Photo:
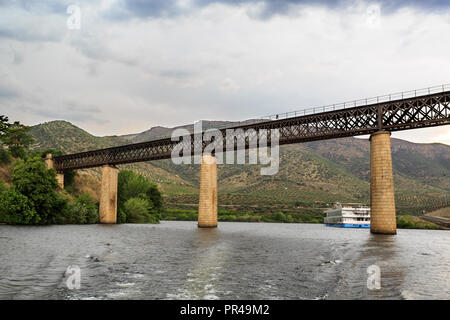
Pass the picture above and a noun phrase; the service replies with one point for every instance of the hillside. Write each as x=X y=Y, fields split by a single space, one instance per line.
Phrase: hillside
x=63 y=135
x=161 y=132
x=314 y=174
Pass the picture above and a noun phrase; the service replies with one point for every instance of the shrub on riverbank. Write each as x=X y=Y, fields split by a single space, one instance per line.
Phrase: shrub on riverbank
x=5 y=157
x=237 y=216
x=15 y=208
x=83 y=210
x=33 y=198
x=139 y=210
x=34 y=190
x=139 y=200
x=410 y=222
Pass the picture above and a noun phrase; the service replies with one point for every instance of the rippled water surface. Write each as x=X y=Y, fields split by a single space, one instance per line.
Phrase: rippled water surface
x=176 y=260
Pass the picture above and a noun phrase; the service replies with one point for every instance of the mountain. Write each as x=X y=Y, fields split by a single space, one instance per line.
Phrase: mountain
x=65 y=136
x=313 y=174
x=162 y=132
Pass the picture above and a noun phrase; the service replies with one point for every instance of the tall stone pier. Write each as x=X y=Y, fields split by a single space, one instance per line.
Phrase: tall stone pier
x=382 y=202
x=108 y=195
x=59 y=175
x=60 y=179
x=49 y=161
x=207 y=206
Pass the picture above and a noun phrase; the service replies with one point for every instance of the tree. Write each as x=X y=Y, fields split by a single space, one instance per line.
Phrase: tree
x=15 y=136
x=123 y=178
x=34 y=181
x=15 y=208
x=82 y=210
x=3 y=187
x=53 y=152
x=4 y=125
x=138 y=210
x=5 y=157
x=134 y=186
x=155 y=197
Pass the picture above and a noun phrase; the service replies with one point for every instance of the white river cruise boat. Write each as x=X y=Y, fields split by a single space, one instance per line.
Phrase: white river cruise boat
x=348 y=215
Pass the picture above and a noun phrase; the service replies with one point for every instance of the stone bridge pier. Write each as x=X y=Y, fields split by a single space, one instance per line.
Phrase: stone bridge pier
x=207 y=206
x=50 y=165
x=382 y=201
x=108 y=194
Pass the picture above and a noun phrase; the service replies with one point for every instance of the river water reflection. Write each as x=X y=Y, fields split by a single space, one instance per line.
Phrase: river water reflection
x=176 y=260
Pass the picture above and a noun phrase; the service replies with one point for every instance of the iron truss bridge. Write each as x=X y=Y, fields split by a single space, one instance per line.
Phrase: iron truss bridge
x=408 y=110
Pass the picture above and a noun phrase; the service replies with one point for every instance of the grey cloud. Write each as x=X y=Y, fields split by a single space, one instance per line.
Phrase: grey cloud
x=9 y=89
x=91 y=46
x=175 y=74
x=126 y=9
x=67 y=110
x=41 y=6
x=143 y=9
x=18 y=57
x=26 y=34
x=430 y=5
x=94 y=47
x=279 y=7
x=22 y=24
x=7 y=92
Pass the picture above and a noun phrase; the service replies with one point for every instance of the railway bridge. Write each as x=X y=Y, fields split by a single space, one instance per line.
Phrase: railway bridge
x=376 y=117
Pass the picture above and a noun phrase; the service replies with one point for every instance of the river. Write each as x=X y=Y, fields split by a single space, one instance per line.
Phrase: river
x=176 y=260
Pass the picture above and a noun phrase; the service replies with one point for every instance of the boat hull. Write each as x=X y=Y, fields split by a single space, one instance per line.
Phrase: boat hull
x=348 y=225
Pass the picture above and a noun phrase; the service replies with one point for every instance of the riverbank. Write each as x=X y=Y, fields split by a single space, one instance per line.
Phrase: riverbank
x=307 y=216
x=411 y=222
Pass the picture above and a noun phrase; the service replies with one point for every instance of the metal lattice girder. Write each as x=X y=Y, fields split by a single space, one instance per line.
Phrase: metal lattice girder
x=417 y=112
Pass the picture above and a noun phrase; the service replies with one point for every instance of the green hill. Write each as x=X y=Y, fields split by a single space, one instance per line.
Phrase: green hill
x=63 y=135
x=314 y=174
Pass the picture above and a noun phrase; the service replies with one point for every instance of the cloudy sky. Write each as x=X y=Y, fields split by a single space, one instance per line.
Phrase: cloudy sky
x=134 y=64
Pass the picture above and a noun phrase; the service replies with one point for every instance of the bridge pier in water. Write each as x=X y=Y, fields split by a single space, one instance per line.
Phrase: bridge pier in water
x=108 y=195
x=382 y=201
x=207 y=206
x=50 y=165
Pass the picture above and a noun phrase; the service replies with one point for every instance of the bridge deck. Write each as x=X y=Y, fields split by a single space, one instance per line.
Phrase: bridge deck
x=402 y=114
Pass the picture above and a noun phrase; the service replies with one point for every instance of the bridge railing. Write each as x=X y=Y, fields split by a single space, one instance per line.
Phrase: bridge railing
x=333 y=107
x=360 y=102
